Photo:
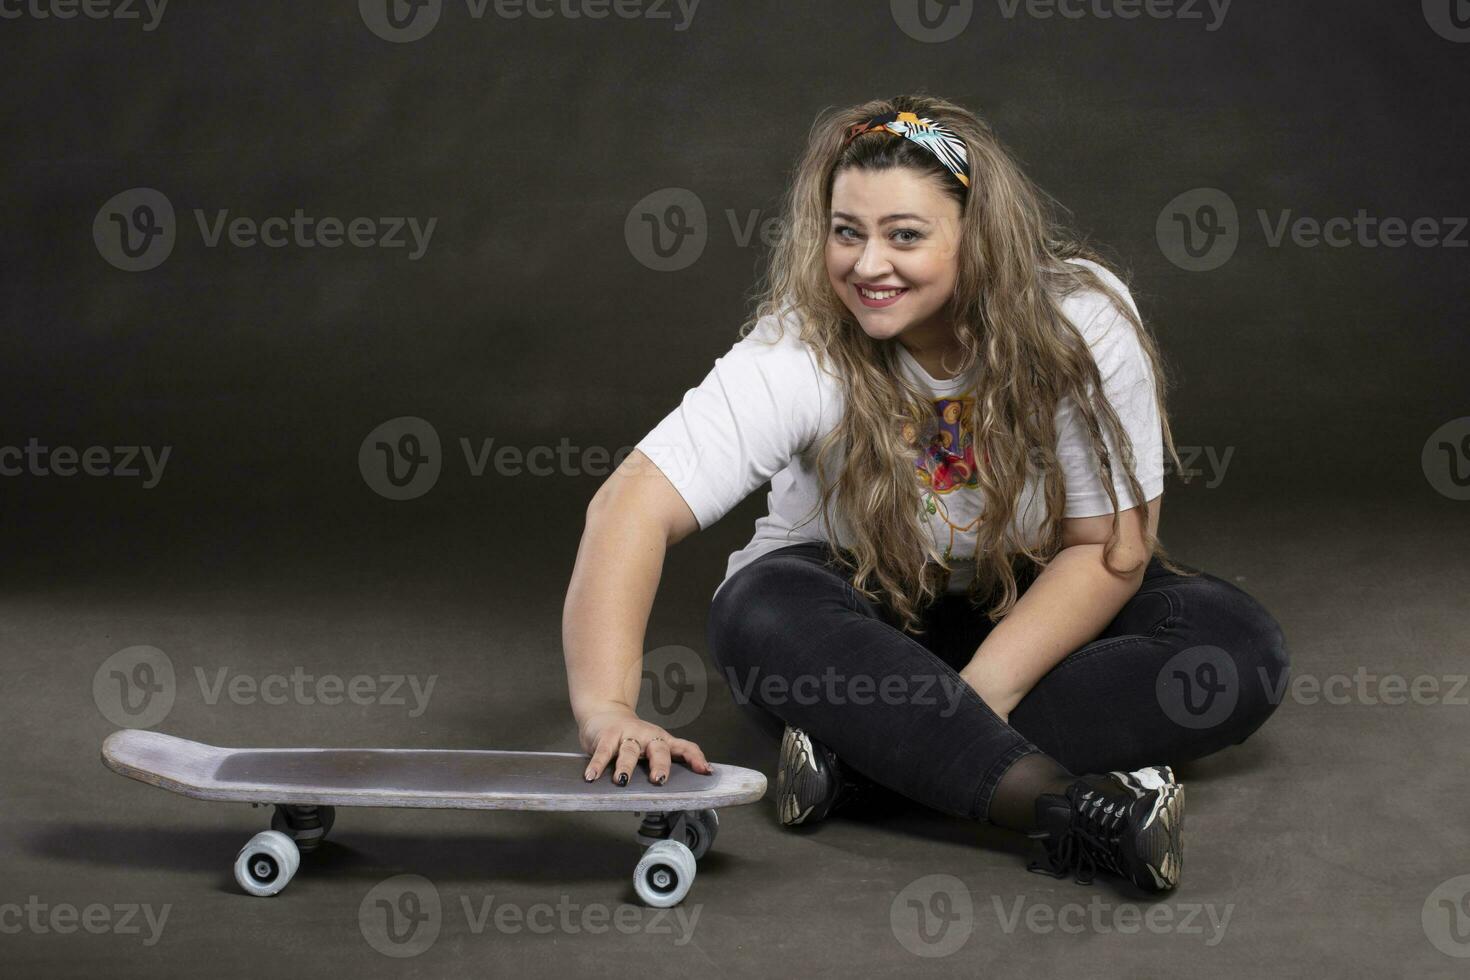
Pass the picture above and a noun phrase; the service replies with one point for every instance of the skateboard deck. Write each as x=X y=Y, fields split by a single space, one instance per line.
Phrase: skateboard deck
x=306 y=784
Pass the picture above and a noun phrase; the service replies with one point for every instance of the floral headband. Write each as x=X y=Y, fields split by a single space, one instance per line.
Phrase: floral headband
x=932 y=136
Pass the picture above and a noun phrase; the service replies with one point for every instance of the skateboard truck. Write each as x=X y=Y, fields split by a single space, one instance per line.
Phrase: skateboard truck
x=695 y=828
x=305 y=824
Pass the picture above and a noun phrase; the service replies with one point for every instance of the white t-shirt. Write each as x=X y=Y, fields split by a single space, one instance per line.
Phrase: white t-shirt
x=763 y=410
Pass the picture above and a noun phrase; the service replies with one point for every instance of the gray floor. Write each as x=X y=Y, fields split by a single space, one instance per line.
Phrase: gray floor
x=1333 y=842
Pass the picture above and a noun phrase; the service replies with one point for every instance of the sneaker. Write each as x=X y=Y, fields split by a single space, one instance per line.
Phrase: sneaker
x=1128 y=823
x=810 y=781
x=1142 y=780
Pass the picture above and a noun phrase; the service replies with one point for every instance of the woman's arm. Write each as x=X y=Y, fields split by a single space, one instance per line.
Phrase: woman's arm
x=631 y=522
x=1067 y=606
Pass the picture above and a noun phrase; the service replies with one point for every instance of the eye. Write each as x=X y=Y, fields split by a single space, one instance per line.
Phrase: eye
x=917 y=236
x=838 y=231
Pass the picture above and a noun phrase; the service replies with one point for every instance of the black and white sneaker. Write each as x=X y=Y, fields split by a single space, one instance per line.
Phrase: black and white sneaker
x=1128 y=823
x=1142 y=780
x=811 y=783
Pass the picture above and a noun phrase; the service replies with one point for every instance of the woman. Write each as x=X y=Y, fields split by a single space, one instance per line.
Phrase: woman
x=958 y=592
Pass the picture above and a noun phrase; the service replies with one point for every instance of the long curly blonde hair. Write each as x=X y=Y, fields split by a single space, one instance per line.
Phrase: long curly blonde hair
x=1012 y=275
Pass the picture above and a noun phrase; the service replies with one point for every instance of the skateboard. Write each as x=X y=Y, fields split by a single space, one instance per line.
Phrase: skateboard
x=305 y=785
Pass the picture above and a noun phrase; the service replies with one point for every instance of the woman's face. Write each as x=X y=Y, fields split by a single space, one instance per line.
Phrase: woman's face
x=895 y=233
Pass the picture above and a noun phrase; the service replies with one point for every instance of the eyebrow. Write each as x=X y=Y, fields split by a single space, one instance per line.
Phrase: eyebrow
x=884 y=220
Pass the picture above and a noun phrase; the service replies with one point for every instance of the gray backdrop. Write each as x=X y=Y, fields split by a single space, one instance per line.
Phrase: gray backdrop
x=530 y=316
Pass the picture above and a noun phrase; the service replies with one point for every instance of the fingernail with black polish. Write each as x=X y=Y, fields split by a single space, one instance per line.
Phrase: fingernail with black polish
x=622 y=779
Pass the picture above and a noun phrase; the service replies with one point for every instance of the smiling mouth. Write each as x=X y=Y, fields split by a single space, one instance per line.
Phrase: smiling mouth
x=880 y=294
x=879 y=299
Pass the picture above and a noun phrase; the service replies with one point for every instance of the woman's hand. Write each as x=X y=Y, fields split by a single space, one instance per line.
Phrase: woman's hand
x=619 y=735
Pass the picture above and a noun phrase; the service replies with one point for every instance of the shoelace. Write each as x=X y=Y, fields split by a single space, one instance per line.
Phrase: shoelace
x=1089 y=842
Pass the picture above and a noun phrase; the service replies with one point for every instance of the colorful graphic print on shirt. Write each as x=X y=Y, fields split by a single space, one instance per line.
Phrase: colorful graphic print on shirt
x=948 y=461
x=947 y=464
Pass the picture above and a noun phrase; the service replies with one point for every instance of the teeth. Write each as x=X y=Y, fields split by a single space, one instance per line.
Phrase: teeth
x=885 y=294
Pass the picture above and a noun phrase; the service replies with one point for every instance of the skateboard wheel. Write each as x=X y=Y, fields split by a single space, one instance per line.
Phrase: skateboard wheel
x=267 y=863
x=700 y=828
x=664 y=874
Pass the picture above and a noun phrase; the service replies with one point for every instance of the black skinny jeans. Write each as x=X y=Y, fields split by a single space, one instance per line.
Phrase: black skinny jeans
x=1189 y=666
